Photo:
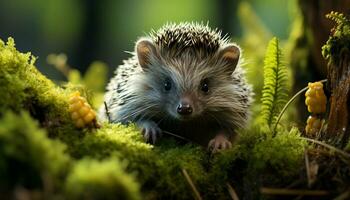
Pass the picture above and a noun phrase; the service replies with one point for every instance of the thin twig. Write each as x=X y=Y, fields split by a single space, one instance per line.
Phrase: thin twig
x=283 y=191
x=179 y=137
x=341 y=152
x=311 y=169
x=193 y=187
x=318 y=135
x=107 y=112
x=232 y=192
x=307 y=166
x=288 y=103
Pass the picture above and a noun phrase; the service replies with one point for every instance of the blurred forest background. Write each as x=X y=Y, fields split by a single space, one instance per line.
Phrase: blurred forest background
x=89 y=30
x=103 y=30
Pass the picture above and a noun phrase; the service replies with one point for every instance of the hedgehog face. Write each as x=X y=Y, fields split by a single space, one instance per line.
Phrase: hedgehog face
x=185 y=97
x=186 y=84
x=179 y=95
x=192 y=89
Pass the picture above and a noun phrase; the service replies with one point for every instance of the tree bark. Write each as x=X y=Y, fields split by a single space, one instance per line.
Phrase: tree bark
x=339 y=85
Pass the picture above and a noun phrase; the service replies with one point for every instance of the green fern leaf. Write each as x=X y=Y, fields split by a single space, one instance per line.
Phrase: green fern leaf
x=275 y=90
x=339 y=18
x=339 y=38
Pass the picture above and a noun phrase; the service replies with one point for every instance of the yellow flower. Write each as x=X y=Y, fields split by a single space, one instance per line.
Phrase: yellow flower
x=316 y=100
x=81 y=112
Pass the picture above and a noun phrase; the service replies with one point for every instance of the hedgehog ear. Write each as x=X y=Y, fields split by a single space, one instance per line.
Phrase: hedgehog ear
x=145 y=50
x=230 y=55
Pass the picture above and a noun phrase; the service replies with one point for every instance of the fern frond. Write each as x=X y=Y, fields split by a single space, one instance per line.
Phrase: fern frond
x=339 y=18
x=339 y=38
x=275 y=90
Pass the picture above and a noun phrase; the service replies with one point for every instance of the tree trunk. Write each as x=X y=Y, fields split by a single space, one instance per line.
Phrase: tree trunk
x=339 y=85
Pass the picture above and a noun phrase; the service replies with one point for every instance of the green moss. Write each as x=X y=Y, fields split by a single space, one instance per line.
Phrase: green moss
x=23 y=86
x=155 y=167
x=11 y=84
x=172 y=159
x=125 y=142
x=27 y=155
x=283 y=153
x=93 y=179
x=111 y=138
x=258 y=160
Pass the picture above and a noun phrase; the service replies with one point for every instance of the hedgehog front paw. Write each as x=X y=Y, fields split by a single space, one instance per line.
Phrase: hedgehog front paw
x=219 y=143
x=150 y=131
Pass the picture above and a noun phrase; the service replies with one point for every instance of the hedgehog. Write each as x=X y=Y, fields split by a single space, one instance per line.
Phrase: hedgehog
x=184 y=79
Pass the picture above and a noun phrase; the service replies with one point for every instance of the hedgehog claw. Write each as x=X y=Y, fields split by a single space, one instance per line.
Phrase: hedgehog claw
x=150 y=131
x=219 y=143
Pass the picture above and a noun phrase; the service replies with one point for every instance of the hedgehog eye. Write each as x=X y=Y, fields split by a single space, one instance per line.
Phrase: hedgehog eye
x=167 y=85
x=205 y=86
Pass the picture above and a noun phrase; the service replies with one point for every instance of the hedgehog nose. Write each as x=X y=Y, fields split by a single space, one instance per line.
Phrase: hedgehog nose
x=184 y=108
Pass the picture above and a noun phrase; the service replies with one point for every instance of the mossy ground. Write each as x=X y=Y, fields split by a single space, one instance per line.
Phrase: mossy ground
x=44 y=154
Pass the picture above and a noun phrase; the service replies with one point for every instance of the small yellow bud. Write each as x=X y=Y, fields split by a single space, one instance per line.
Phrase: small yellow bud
x=316 y=100
x=75 y=116
x=73 y=99
x=87 y=105
x=81 y=112
x=79 y=123
x=75 y=106
x=89 y=117
x=313 y=125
